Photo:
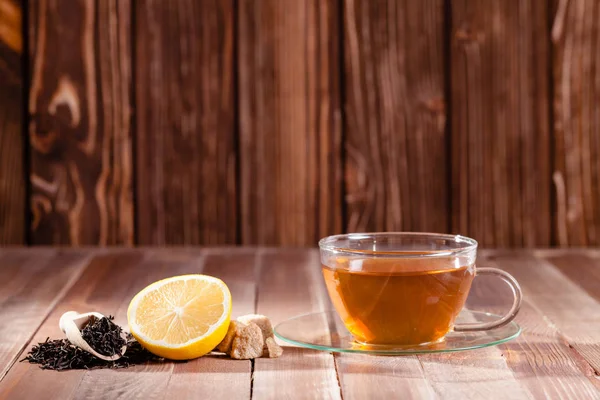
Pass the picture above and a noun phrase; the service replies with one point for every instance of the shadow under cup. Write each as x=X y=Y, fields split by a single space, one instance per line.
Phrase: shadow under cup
x=403 y=288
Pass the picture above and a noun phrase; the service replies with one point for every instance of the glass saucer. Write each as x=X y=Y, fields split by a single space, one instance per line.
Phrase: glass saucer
x=325 y=331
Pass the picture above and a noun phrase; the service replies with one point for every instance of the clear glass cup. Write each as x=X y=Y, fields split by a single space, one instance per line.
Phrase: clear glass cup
x=405 y=288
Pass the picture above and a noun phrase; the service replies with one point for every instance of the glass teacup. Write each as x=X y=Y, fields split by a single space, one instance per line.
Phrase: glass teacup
x=405 y=288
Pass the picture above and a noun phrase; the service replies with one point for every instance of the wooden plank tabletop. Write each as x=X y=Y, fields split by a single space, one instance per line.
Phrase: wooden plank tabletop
x=557 y=356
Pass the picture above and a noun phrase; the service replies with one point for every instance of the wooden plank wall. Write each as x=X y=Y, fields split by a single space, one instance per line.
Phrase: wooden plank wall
x=290 y=121
x=277 y=122
x=13 y=202
x=79 y=122
x=396 y=136
x=500 y=122
x=185 y=118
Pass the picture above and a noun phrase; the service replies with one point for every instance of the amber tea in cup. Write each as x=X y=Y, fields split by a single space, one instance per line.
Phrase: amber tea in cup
x=398 y=301
x=404 y=288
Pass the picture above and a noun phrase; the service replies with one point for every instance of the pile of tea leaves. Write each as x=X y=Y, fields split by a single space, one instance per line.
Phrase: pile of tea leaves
x=102 y=335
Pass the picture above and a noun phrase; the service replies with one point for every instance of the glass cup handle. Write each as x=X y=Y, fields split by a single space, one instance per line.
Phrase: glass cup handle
x=509 y=316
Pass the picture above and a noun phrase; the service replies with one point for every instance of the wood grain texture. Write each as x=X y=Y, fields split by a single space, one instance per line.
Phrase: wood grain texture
x=582 y=269
x=574 y=313
x=483 y=373
x=107 y=285
x=239 y=271
x=218 y=376
x=540 y=359
x=290 y=284
x=480 y=374
x=30 y=285
x=382 y=377
x=11 y=22
x=477 y=118
x=185 y=146
x=12 y=165
x=79 y=130
x=576 y=79
x=555 y=357
x=290 y=126
x=95 y=289
x=165 y=380
x=500 y=147
x=210 y=377
x=395 y=147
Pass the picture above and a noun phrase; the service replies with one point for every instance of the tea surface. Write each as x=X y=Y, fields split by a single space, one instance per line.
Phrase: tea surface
x=398 y=301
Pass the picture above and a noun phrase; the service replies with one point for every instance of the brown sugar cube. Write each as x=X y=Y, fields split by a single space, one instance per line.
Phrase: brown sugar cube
x=225 y=345
x=263 y=322
x=248 y=342
x=272 y=349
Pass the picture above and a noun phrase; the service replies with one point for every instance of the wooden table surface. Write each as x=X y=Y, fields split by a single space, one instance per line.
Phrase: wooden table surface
x=557 y=356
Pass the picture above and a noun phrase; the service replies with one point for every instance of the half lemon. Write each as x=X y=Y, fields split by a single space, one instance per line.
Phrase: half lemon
x=181 y=317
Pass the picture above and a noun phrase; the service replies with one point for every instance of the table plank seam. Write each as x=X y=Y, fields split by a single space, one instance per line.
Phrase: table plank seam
x=83 y=265
x=580 y=356
x=256 y=271
x=337 y=374
x=251 y=379
x=76 y=388
x=171 y=372
x=426 y=378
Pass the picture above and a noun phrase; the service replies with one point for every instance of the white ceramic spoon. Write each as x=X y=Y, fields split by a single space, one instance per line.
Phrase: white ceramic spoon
x=71 y=324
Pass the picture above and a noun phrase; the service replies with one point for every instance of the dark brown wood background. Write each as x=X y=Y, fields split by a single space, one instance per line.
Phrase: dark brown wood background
x=278 y=122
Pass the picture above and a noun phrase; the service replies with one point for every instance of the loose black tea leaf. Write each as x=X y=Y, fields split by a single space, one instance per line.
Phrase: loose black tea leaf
x=136 y=354
x=62 y=354
x=104 y=336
